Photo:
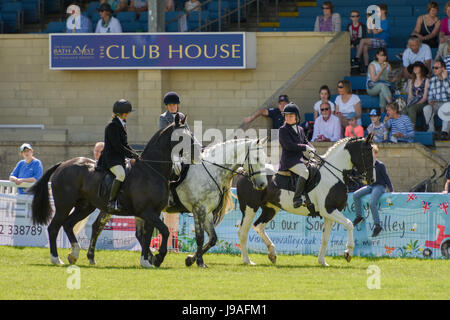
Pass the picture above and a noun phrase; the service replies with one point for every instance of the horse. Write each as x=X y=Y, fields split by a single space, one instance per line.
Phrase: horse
x=144 y=193
x=205 y=191
x=329 y=196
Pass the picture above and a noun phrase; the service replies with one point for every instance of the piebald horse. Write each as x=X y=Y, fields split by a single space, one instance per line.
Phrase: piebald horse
x=329 y=196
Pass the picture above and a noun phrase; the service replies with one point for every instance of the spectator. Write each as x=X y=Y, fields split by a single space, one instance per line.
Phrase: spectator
x=353 y=129
x=192 y=5
x=98 y=148
x=377 y=127
x=273 y=113
x=327 y=126
x=417 y=90
x=172 y=102
x=447 y=58
x=399 y=125
x=377 y=78
x=324 y=93
x=356 y=28
x=116 y=5
x=170 y=5
x=444 y=33
x=375 y=190
x=428 y=26
x=76 y=22
x=346 y=102
x=380 y=38
x=438 y=94
x=329 y=21
x=138 y=6
x=447 y=183
x=443 y=50
x=416 y=51
x=107 y=23
x=27 y=170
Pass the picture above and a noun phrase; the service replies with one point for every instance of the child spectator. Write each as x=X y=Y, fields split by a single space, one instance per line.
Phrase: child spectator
x=377 y=127
x=400 y=126
x=356 y=28
x=353 y=129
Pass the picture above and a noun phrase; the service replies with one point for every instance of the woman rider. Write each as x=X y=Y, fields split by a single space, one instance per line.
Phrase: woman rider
x=117 y=149
x=293 y=142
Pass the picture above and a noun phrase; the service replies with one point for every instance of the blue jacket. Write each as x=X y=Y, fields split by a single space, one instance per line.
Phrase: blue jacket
x=382 y=177
x=293 y=145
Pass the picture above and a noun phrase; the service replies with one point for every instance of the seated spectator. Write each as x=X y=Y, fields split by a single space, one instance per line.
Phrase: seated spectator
x=380 y=38
x=76 y=22
x=443 y=50
x=27 y=170
x=329 y=21
x=399 y=125
x=324 y=93
x=192 y=5
x=417 y=90
x=116 y=5
x=107 y=23
x=170 y=5
x=138 y=6
x=377 y=127
x=438 y=94
x=347 y=102
x=356 y=28
x=416 y=51
x=98 y=148
x=274 y=113
x=444 y=33
x=327 y=126
x=447 y=58
x=377 y=78
x=428 y=26
x=353 y=129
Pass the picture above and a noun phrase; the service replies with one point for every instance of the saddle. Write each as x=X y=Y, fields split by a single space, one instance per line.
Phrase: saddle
x=105 y=185
x=177 y=206
x=287 y=180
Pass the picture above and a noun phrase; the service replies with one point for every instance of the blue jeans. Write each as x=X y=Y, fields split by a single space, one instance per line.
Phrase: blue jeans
x=375 y=192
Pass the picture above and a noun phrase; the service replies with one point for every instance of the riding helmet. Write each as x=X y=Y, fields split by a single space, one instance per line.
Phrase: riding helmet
x=122 y=106
x=292 y=108
x=171 y=98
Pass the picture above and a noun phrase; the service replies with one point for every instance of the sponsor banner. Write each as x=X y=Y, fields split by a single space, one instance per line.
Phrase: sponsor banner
x=153 y=51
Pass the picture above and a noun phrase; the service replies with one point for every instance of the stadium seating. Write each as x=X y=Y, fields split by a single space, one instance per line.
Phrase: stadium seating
x=92 y=8
x=12 y=14
x=2 y=25
x=131 y=26
x=126 y=16
x=56 y=27
x=172 y=26
x=193 y=19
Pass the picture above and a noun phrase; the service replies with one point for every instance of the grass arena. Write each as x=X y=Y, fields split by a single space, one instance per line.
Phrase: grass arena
x=61 y=105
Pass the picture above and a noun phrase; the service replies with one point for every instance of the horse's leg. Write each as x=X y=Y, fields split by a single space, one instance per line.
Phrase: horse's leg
x=61 y=213
x=97 y=228
x=337 y=216
x=199 y=218
x=247 y=217
x=260 y=227
x=80 y=212
x=327 y=225
x=144 y=232
x=156 y=221
x=212 y=239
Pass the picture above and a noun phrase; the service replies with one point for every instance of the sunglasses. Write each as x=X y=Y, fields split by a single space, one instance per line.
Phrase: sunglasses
x=435 y=68
x=325 y=8
x=341 y=87
x=325 y=109
x=355 y=16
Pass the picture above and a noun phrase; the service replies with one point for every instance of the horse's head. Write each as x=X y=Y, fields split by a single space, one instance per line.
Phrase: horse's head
x=362 y=157
x=255 y=162
x=182 y=142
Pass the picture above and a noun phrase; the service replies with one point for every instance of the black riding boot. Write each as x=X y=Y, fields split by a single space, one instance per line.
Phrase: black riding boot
x=298 y=201
x=112 y=208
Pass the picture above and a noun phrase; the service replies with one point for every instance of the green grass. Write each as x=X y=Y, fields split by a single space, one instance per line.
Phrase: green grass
x=26 y=273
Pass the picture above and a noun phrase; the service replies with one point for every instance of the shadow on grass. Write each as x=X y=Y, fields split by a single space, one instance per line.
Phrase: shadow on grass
x=99 y=267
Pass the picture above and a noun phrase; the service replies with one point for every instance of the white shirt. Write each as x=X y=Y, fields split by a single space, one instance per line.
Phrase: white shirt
x=349 y=106
x=319 y=103
x=331 y=129
x=422 y=55
x=112 y=27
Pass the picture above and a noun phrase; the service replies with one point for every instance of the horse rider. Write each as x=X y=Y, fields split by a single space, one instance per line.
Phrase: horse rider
x=293 y=142
x=117 y=149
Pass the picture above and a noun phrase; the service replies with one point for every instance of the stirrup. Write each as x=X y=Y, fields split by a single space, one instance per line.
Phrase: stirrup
x=112 y=207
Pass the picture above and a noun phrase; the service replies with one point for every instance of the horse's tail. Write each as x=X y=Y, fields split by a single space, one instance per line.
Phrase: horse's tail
x=41 y=210
x=227 y=202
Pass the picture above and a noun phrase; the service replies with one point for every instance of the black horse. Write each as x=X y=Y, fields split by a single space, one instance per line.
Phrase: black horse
x=144 y=193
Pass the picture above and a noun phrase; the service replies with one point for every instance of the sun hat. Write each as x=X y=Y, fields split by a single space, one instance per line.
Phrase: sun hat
x=444 y=112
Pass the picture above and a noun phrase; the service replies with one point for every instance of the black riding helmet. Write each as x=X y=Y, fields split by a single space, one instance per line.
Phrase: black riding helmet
x=171 y=98
x=122 y=106
x=292 y=108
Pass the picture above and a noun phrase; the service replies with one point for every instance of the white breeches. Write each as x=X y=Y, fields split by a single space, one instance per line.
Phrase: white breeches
x=119 y=172
x=300 y=170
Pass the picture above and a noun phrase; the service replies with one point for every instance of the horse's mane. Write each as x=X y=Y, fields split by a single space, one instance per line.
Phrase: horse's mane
x=339 y=143
x=155 y=138
x=209 y=150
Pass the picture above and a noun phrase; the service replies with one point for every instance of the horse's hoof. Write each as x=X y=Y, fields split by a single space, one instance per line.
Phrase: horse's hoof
x=92 y=262
x=203 y=265
x=157 y=260
x=347 y=256
x=189 y=261
x=146 y=264
x=56 y=261
x=272 y=258
x=324 y=264
x=72 y=259
x=250 y=263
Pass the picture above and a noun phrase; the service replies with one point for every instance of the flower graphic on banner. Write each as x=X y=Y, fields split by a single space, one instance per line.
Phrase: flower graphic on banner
x=444 y=206
x=389 y=250
x=411 y=197
x=426 y=206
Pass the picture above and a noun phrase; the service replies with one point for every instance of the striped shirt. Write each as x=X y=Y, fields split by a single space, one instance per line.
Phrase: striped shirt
x=439 y=89
x=401 y=125
x=447 y=63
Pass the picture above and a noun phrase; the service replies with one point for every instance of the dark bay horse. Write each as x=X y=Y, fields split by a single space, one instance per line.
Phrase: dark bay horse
x=144 y=193
x=329 y=196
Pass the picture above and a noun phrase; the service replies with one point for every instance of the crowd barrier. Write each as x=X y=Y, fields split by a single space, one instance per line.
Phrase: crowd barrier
x=414 y=225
